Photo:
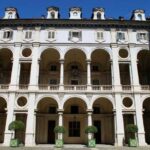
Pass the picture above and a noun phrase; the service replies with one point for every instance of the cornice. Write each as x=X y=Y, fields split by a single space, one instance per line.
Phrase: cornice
x=69 y=23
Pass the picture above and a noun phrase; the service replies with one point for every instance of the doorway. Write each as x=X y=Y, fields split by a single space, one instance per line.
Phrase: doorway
x=51 y=134
x=97 y=135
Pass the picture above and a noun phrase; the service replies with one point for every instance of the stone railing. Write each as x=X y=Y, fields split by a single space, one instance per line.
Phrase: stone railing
x=102 y=87
x=48 y=87
x=145 y=87
x=4 y=86
x=75 y=87
x=126 y=87
x=23 y=86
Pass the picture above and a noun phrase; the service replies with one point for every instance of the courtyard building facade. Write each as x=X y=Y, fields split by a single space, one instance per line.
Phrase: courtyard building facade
x=75 y=73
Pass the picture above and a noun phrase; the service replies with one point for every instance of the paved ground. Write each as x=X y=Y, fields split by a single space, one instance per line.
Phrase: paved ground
x=75 y=147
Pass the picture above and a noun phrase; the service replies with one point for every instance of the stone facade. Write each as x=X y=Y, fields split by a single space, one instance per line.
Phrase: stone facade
x=74 y=72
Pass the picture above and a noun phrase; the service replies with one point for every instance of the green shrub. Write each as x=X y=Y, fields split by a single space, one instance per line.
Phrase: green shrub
x=59 y=129
x=91 y=129
x=16 y=125
x=131 y=128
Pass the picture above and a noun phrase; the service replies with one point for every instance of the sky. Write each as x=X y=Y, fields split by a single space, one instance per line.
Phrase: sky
x=113 y=8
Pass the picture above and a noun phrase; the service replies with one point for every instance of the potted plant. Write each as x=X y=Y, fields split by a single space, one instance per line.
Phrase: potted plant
x=15 y=126
x=90 y=130
x=59 y=141
x=132 y=129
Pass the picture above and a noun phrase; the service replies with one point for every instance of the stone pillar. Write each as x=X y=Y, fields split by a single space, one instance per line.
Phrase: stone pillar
x=15 y=74
x=115 y=68
x=89 y=74
x=10 y=116
x=34 y=74
x=139 y=120
x=30 y=126
x=119 y=120
x=61 y=74
x=90 y=135
x=115 y=130
x=134 y=69
x=60 y=123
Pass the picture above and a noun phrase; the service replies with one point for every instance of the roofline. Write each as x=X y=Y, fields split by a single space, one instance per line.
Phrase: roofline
x=81 y=23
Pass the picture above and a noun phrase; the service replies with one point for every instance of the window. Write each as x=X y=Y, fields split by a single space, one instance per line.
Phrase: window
x=95 y=68
x=120 y=36
x=95 y=82
x=75 y=35
x=10 y=14
x=139 y=17
x=53 y=81
x=74 y=67
x=96 y=110
x=98 y=15
x=100 y=35
x=74 y=129
x=52 y=15
x=74 y=110
x=53 y=68
x=28 y=34
x=8 y=34
x=74 y=82
x=52 y=110
x=142 y=36
x=51 y=35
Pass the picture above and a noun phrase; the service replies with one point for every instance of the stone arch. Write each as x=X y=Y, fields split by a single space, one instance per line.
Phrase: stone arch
x=65 y=99
x=3 y=106
x=107 y=50
x=78 y=48
x=55 y=98
x=143 y=57
x=43 y=49
x=146 y=118
x=109 y=98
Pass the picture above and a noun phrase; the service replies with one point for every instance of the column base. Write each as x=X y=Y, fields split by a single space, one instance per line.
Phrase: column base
x=61 y=87
x=141 y=139
x=7 y=138
x=30 y=140
x=89 y=87
x=120 y=139
x=33 y=87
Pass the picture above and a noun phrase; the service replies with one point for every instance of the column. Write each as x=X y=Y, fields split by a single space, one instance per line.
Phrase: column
x=30 y=126
x=115 y=130
x=10 y=117
x=15 y=73
x=61 y=74
x=34 y=73
x=60 y=123
x=134 y=69
x=119 y=120
x=90 y=135
x=89 y=74
x=115 y=68
x=139 y=120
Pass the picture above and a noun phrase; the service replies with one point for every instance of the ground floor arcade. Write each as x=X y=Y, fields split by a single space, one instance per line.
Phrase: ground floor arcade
x=75 y=113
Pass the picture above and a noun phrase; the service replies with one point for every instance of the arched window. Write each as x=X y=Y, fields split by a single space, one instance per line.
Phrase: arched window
x=10 y=15
x=139 y=17
x=98 y=15
x=52 y=15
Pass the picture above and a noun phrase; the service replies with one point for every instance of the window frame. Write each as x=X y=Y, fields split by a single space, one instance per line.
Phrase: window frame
x=7 y=36
x=141 y=38
x=74 y=128
x=51 y=35
x=77 y=38
x=121 y=36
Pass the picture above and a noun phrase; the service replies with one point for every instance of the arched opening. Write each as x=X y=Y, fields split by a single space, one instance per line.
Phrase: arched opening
x=46 y=120
x=75 y=121
x=100 y=68
x=139 y=17
x=49 y=73
x=146 y=119
x=128 y=116
x=3 y=106
x=99 y=16
x=103 y=119
x=144 y=67
x=5 y=66
x=52 y=15
x=75 y=68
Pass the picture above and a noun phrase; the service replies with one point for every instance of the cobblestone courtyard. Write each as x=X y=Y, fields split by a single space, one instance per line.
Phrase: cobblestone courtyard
x=76 y=147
